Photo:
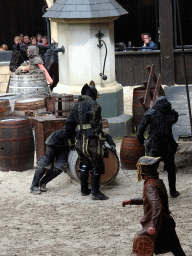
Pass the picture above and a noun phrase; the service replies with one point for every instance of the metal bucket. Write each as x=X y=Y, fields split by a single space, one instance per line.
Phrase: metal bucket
x=17 y=144
x=111 y=167
x=29 y=86
x=35 y=105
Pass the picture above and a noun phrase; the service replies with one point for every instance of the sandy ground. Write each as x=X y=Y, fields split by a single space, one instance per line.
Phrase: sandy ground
x=62 y=222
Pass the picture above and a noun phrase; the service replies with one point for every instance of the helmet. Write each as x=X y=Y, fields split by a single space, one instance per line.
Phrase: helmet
x=147 y=165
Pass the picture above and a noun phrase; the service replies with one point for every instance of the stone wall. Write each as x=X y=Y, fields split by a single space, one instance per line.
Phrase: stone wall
x=4 y=76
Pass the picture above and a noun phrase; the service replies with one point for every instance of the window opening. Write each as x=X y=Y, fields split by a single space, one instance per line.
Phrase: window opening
x=143 y=17
x=185 y=8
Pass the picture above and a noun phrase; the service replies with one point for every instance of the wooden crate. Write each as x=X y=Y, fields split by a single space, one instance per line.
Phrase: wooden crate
x=43 y=127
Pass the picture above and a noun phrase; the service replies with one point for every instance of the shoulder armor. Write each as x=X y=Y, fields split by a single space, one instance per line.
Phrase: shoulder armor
x=150 y=112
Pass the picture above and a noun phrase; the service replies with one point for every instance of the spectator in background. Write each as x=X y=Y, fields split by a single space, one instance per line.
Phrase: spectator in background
x=39 y=39
x=142 y=37
x=17 y=40
x=45 y=41
x=146 y=37
x=21 y=37
x=26 y=40
x=33 y=40
x=3 y=48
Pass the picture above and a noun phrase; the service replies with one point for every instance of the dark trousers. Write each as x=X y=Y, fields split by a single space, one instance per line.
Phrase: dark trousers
x=167 y=239
x=169 y=165
x=43 y=176
x=178 y=252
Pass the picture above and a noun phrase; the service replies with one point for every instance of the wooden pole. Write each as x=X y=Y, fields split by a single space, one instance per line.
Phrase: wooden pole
x=184 y=64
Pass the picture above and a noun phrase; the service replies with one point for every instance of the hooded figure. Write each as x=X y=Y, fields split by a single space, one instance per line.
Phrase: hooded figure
x=35 y=62
x=34 y=57
x=158 y=233
x=84 y=124
x=160 y=142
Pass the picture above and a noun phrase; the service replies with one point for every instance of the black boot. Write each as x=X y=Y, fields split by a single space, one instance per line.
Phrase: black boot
x=36 y=179
x=178 y=252
x=172 y=184
x=84 y=181
x=95 y=193
x=48 y=177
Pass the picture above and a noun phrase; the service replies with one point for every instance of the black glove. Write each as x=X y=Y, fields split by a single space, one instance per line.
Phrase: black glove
x=113 y=148
x=141 y=140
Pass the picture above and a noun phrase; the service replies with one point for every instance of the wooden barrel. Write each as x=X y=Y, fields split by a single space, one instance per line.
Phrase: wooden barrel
x=111 y=167
x=17 y=144
x=63 y=105
x=138 y=111
x=12 y=97
x=105 y=126
x=75 y=100
x=34 y=105
x=5 y=108
x=29 y=86
x=130 y=152
x=50 y=103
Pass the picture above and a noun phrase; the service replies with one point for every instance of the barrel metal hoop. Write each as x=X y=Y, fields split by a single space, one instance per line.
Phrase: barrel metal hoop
x=16 y=139
x=16 y=157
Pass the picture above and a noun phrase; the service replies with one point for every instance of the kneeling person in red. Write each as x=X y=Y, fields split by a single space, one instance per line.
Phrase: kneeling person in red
x=158 y=233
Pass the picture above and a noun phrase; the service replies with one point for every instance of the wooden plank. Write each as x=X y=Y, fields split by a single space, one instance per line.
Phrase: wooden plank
x=161 y=91
x=130 y=67
x=179 y=70
x=141 y=99
x=147 y=97
x=157 y=90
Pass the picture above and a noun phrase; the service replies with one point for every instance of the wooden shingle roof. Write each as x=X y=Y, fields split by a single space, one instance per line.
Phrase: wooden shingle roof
x=82 y=9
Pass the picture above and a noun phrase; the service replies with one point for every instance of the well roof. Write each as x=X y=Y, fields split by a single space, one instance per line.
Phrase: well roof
x=81 y=9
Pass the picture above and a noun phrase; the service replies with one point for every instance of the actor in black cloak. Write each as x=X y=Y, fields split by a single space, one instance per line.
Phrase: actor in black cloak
x=53 y=163
x=160 y=141
x=84 y=124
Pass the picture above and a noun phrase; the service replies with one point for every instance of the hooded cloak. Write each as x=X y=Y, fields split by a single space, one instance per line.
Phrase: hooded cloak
x=34 y=57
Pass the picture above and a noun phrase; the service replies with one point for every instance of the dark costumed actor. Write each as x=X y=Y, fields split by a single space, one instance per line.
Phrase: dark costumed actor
x=85 y=125
x=158 y=233
x=160 y=142
x=53 y=163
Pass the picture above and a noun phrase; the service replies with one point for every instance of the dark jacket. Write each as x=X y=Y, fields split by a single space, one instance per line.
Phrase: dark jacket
x=57 y=139
x=161 y=119
x=85 y=112
x=85 y=125
x=156 y=215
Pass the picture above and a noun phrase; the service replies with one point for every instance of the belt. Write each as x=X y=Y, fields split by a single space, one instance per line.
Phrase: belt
x=84 y=127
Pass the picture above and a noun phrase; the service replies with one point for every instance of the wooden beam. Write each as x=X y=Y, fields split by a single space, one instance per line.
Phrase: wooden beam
x=141 y=99
x=166 y=41
x=147 y=97
x=161 y=90
x=157 y=90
